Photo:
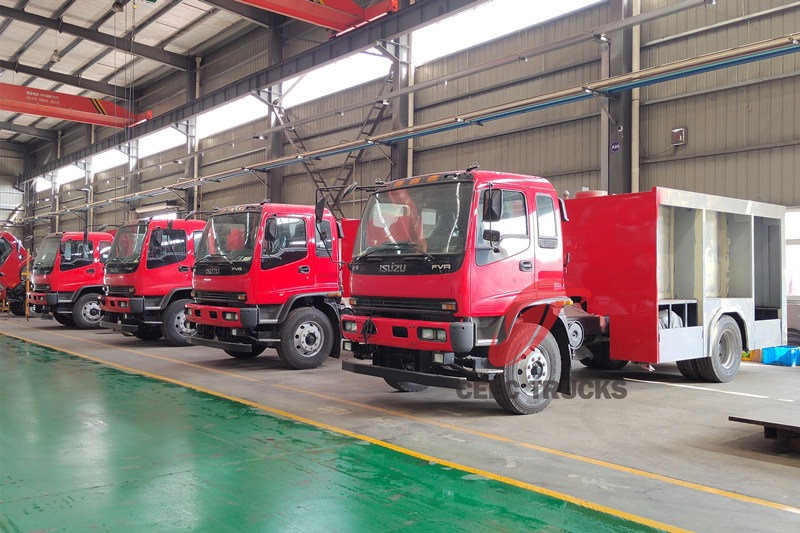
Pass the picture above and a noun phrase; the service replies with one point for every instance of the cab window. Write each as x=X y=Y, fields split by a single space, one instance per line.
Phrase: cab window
x=76 y=254
x=167 y=247
x=103 y=250
x=323 y=242
x=512 y=226
x=287 y=245
x=546 y=225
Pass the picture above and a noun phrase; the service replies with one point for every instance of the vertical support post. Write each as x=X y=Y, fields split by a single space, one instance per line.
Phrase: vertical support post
x=134 y=184
x=86 y=166
x=275 y=140
x=51 y=177
x=192 y=167
x=400 y=109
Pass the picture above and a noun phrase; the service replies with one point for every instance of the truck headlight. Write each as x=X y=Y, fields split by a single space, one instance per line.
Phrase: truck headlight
x=227 y=315
x=123 y=304
x=349 y=326
x=432 y=334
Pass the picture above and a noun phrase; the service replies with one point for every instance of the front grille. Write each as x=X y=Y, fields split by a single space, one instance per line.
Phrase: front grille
x=401 y=307
x=119 y=290
x=230 y=299
x=40 y=287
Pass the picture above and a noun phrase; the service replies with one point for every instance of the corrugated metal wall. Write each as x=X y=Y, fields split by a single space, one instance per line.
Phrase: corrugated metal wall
x=743 y=123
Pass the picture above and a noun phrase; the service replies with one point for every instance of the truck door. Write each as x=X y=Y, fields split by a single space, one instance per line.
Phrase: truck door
x=502 y=269
x=165 y=253
x=325 y=271
x=548 y=267
x=285 y=259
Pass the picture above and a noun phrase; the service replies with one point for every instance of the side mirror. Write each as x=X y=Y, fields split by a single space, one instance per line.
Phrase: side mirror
x=271 y=230
x=319 y=209
x=492 y=236
x=492 y=205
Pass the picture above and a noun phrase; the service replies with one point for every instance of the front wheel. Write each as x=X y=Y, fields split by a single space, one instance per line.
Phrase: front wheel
x=726 y=352
x=306 y=338
x=175 y=326
x=17 y=308
x=64 y=319
x=86 y=311
x=527 y=385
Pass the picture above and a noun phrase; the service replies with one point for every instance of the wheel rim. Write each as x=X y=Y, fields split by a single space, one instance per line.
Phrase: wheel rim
x=532 y=372
x=308 y=338
x=91 y=311
x=726 y=349
x=182 y=325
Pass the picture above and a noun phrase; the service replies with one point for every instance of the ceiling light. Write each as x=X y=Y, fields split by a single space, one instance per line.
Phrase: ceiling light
x=116 y=7
x=55 y=58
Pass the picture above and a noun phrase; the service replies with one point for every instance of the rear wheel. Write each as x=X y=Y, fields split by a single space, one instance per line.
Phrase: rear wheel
x=600 y=359
x=64 y=320
x=405 y=386
x=726 y=352
x=86 y=311
x=257 y=350
x=148 y=333
x=527 y=386
x=689 y=369
x=306 y=338
x=175 y=326
x=18 y=308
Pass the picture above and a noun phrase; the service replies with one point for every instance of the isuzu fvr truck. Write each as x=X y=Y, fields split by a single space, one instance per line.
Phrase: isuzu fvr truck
x=489 y=277
x=270 y=275
x=13 y=260
x=148 y=279
x=67 y=277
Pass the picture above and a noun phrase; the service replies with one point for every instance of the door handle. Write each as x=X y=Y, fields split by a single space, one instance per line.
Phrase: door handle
x=305 y=269
x=526 y=265
x=183 y=269
x=90 y=271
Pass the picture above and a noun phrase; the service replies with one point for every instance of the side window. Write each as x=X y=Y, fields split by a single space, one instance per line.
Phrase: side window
x=288 y=245
x=76 y=254
x=167 y=247
x=103 y=250
x=546 y=226
x=196 y=238
x=513 y=228
x=324 y=242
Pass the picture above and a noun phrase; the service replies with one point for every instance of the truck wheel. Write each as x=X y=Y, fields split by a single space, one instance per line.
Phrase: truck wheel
x=148 y=333
x=64 y=320
x=86 y=311
x=726 y=352
x=405 y=386
x=257 y=350
x=527 y=386
x=306 y=338
x=689 y=369
x=600 y=359
x=17 y=308
x=174 y=324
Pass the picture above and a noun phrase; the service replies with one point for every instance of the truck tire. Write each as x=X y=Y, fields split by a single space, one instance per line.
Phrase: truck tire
x=174 y=324
x=306 y=338
x=17 y=308
x=726 y=352
x=86 y=311
x=405 y=386
x=600 y=359
x=688 y=369
x=527 y=386
x=64 y=319
x=257 y=350
x=793 y=337
x=148 y=333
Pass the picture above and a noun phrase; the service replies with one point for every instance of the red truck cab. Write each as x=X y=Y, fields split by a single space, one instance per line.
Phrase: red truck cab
x=438 y=264
x=13 y=260
x=148 y=279
x=268 y=276
x=67 y=277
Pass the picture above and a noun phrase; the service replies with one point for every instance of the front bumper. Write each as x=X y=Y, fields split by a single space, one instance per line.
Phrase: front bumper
x=122 y=305
x=398 y=333
x=212 y=315
x=43 y=304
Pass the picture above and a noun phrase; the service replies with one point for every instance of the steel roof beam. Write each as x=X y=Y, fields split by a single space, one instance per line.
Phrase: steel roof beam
x=28 y=130
x=126 y=45
x=248 y=12
x=75 y=81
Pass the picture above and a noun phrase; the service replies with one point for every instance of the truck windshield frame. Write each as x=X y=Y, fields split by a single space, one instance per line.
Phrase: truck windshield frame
x=126 y=250
x=423 y=221
x=5 y=250
x=228 y=243
x=46 y=257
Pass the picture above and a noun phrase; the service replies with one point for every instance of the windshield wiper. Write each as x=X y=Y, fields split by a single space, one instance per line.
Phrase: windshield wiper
x=396 y=245
x=221 y=256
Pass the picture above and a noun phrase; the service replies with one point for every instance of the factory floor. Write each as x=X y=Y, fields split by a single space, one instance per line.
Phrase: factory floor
x=104 y=432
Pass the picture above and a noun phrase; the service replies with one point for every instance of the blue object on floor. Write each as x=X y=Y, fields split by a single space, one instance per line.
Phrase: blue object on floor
x=781 y=355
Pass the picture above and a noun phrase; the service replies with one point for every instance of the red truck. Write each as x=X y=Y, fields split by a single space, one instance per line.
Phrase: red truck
x=268 y=275
x=479 y=276
x=148 y=279
x=67 y=277
x=13 y=260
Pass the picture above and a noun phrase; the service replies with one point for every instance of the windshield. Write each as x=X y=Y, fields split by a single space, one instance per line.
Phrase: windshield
x=230 y=237
x=127 y=246
x=5 y=250
x=47 y=252
x=423 y=220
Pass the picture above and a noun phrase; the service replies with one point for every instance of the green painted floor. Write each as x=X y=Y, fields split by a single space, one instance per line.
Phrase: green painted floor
x=87 y=447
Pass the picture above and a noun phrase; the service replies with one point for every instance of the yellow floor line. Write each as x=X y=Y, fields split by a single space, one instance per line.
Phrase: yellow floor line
x=477 y=433
x=485 y=473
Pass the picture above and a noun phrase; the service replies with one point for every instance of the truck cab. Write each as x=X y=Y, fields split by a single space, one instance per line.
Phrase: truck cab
x=67 y=277
x=269 y=276
x=443 y=266
x=13 y=260
x=148 y=279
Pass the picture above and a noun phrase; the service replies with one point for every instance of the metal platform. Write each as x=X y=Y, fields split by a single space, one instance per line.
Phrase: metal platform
x=783 y=425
